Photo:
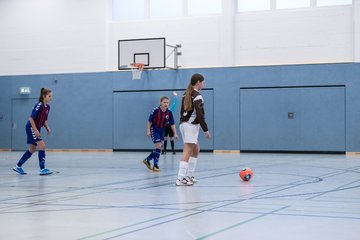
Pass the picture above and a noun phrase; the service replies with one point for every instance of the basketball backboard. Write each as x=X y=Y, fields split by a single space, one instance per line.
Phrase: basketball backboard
x=149 y=51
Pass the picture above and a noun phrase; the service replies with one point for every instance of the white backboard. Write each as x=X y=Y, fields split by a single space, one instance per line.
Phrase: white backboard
x=150 y=51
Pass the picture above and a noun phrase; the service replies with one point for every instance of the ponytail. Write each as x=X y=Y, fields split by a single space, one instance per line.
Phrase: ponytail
x=187 y=99
x=43 y=92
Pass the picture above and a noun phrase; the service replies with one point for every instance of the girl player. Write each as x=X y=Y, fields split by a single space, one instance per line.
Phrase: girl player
x=192 y=117
x=37 y=119
x=158 y=118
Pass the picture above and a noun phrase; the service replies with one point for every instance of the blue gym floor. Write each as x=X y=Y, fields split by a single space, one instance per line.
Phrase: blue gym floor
x=112 y=195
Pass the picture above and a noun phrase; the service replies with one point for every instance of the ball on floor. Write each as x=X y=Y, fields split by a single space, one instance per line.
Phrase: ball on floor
x=246 y=174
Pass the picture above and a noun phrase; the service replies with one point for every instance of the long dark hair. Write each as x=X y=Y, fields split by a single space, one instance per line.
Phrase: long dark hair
x=43 y=92
x=187 y=100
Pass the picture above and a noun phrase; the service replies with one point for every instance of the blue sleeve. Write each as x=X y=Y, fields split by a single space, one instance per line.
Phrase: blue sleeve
x=151 y=117
x=171 y=119
x=173 y=106
x=36 y=110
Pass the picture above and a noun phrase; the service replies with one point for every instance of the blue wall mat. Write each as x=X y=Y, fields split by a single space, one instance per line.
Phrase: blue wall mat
x=83 y=110
x=293 y=119
x=132 y=109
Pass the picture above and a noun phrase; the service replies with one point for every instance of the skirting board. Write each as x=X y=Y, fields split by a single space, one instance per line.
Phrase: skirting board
x=227 y=151
x=352 y=153
x=79 y=150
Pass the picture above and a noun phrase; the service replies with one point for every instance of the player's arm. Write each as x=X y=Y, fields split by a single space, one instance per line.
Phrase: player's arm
x=47 y=127
x=200 y=112
x=175 y=100
x=148 y=133
x=33 y=125
x=172 y=125
x=173 y=128
x=150 y=120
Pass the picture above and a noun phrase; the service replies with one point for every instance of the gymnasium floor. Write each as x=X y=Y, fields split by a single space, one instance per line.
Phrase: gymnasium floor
x=114 y=196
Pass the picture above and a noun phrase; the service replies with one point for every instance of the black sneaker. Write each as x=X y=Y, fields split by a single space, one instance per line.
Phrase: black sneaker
x=174 y=152
x=163 y=152
x=156 y=168
x=147 y=163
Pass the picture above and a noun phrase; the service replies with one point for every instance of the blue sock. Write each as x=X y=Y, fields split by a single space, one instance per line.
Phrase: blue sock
x=24 y=158
x=156 y=156
x=42 y=159
x=150 y=157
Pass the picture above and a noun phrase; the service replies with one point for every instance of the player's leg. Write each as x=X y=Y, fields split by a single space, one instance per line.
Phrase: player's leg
x=150 y=157
x=165 y=145
x=190 y=140
x=43 y=170
x=147 y=160
x=18 y=168
x=32 y=142
x=184 y=165
x=156 y=137
x=167 y=131
x=158 y=146
x=192 y=163
x=171 y=135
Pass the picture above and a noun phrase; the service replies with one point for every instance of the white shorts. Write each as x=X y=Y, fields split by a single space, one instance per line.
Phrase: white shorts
x=189 y=132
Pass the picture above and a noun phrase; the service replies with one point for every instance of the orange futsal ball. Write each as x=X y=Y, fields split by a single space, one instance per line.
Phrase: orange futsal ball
x=246 y=174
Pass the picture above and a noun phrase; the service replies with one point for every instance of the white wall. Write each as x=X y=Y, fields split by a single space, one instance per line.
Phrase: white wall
x=356 y=17
x=52 y=36
x=60 y=36
x=314 y=35
x=317 y=35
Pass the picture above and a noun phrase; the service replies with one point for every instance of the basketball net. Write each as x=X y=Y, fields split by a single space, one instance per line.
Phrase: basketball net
x=136 y=69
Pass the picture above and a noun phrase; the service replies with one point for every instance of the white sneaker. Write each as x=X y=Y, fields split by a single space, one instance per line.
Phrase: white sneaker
x=192 y=179
x=184 y=182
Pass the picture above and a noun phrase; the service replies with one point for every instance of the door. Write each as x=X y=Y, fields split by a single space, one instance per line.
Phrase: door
x=20 y=113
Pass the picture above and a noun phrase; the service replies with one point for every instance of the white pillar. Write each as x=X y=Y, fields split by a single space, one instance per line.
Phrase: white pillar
x=356 y=20
x=227 y=34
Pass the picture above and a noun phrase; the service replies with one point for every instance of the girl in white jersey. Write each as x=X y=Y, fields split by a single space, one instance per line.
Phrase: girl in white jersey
x=192 y=117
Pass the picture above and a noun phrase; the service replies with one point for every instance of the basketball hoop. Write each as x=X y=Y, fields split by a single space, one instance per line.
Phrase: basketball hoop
x=136 y=69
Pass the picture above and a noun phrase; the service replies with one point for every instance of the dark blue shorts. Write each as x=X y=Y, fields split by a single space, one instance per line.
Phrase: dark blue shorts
x=157 y=135
x=31 y=137
x=168 y=131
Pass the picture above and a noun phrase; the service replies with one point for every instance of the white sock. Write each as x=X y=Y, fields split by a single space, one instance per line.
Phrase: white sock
x=183 y=168
x=192 y=166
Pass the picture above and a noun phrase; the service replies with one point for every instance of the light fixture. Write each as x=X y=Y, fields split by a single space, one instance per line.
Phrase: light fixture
x=25 y=90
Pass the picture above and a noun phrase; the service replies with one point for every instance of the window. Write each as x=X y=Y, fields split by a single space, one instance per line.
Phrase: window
x=128 y=10
x=283 y=4
x=203 y=7
x=321 y=3
x=253 y=5
x=165 y=8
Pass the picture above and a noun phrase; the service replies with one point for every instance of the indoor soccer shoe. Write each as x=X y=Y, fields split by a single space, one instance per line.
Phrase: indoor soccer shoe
x=19 y=170
x=45 y=171
x=147 y=163
x=156 y=168
x=183 y=182
x=192 y=179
